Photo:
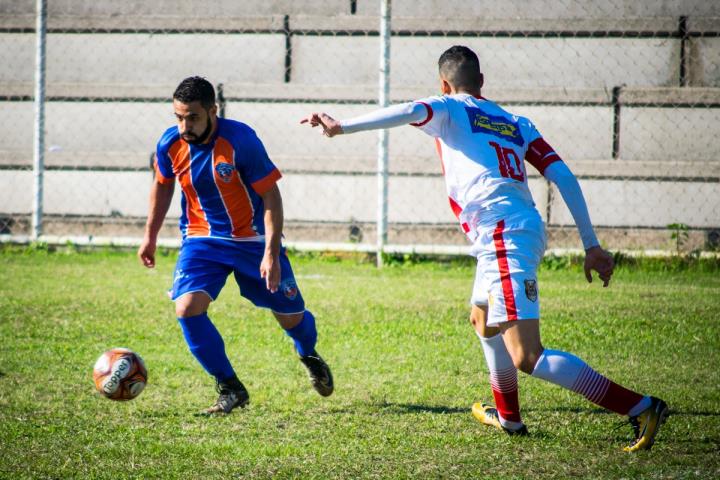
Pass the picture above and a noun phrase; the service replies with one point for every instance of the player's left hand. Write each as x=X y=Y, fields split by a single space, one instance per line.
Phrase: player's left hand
x=601 y=261
x=270 y=271
x=331 y=127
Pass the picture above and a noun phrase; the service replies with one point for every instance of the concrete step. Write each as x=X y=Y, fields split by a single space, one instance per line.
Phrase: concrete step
x=348 y=198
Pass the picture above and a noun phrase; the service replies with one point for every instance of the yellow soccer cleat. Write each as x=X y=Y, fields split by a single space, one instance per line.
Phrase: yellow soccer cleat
x=646 y=425
x=488 y=415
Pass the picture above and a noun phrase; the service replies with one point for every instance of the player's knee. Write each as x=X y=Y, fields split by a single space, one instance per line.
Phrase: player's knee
x=188 y=309
x=525 y=360
x=478 y=319
x=288 y=321
x=183 y=311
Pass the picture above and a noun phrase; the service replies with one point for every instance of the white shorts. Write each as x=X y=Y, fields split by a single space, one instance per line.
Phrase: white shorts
x=508 y=256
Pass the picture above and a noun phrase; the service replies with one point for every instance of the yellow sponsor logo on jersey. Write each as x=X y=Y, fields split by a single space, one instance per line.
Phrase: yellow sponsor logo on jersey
x=505 y=129
x=481 y=122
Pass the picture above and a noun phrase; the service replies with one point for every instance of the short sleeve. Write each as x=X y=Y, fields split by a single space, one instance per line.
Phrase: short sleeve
x=163 y=162
x=437 y=114
x=254 y=163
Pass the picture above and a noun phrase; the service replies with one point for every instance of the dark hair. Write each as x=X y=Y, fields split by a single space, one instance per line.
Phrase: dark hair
x=460 y=66
x=194 y=89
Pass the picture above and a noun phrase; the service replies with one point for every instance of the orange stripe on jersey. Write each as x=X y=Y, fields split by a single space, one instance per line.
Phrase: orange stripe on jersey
x=232 y=190
x=265 y=184
x=180 y=156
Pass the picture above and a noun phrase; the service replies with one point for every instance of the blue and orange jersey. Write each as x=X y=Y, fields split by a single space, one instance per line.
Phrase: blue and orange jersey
x=222 y=181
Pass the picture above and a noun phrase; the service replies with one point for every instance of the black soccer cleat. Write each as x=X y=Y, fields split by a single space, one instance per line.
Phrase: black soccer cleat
x=647 y=424
x=233 y=394
x=319 y=373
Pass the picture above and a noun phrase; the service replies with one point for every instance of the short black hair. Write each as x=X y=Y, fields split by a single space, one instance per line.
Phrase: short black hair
x=195 y=89
x=460 y=66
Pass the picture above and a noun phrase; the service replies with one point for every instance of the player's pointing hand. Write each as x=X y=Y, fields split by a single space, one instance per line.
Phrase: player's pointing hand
x=331 y=127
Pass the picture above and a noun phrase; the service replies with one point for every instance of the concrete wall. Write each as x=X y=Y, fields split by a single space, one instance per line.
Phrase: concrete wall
x=646 y=203
x=576 y=9
x=178 y=8
x=563 y=84
x=121 y=134
x=120 y=59
x=705 y=67
x=348 y=198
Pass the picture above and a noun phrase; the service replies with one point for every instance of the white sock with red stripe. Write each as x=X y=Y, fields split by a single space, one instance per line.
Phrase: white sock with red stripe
x=567 y=370
x=503 y=380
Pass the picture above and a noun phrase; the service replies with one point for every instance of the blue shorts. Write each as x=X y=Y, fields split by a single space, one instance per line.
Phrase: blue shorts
x=205 y=263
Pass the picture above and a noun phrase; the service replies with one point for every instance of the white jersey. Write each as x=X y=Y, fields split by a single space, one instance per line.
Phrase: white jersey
x=482 y=148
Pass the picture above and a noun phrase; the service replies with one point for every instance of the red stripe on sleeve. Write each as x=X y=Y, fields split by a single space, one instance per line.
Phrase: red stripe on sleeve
x=539 y=154
x=504 y=268
x=429 y=116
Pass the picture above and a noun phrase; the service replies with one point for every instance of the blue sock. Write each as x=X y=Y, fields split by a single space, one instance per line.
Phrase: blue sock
x=304 y=334
x=207 y=345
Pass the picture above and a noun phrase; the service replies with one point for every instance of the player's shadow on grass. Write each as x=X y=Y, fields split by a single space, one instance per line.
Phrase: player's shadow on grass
x=602 y=411
x=416 y=408
x=561 y=409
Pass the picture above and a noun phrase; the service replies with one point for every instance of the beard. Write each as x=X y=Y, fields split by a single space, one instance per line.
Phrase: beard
x=195 y=139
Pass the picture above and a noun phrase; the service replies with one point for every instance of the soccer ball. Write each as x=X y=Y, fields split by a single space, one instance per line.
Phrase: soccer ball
x=120 y=374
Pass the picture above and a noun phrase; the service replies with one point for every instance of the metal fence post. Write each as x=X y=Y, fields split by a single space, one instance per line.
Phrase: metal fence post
x=39 y=136
x=383 y=101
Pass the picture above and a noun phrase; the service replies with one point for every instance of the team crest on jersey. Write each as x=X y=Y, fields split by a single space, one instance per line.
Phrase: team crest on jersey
x=289 y=288
x=225 y=171
x=481 y=122
x=531 y=291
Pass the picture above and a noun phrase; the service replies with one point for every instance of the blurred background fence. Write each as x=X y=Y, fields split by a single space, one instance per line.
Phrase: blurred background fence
x=628 y=92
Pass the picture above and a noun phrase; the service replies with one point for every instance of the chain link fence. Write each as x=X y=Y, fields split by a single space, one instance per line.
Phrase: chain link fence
x=628 y=93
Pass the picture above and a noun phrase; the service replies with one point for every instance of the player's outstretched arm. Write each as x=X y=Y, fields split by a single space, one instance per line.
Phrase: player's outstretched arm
x=389 y=117
x=160 y=198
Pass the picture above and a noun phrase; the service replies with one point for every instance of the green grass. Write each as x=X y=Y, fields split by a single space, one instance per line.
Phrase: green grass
x=407 y=368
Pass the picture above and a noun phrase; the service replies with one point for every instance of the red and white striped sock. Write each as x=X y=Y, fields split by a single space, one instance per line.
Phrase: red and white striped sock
x=567 y=370
x=503 y=380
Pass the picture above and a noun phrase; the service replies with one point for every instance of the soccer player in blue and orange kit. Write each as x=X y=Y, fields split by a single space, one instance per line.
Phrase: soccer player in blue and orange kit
x=232 y=219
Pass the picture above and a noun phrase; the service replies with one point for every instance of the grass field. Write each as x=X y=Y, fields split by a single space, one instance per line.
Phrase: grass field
x=407 y=368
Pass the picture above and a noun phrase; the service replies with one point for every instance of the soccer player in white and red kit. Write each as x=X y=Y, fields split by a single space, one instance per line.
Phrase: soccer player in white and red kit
x=484 y=150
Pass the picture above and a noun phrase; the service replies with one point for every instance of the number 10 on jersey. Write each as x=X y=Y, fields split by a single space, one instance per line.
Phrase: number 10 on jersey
x=505 y=161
